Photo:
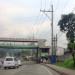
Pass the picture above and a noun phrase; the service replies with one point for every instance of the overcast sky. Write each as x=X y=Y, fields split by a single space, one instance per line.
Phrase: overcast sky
x=22 y=18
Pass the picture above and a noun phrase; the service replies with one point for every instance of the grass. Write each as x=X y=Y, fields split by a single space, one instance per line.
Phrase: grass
x=67 y=64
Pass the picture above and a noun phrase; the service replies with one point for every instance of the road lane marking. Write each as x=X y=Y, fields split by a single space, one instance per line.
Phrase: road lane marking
x=47 y=70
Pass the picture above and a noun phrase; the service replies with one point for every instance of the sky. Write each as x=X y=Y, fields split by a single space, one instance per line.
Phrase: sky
x=23 y=19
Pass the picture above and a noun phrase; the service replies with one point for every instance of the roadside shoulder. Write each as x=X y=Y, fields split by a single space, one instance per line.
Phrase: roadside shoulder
x=62 y=71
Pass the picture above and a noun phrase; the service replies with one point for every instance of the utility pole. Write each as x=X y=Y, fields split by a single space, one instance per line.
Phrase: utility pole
x=54 y=45
x=51 y=26
x=56 y=42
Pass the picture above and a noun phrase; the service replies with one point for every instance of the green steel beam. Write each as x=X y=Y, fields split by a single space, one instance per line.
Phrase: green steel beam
x=19 y=47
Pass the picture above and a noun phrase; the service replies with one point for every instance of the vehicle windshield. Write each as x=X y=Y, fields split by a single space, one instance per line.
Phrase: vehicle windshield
x=9 y=59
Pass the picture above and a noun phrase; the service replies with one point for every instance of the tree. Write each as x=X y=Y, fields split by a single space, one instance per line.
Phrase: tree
x=67 y=24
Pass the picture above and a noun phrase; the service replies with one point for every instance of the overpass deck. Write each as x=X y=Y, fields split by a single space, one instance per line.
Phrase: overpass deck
x=20 y=40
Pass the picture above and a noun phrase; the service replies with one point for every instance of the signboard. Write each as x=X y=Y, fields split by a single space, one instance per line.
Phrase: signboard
x=60 y=51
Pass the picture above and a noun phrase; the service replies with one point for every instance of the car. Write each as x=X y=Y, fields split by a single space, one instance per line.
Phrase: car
x=19 y=62
x=0 y=64
x=10 y=62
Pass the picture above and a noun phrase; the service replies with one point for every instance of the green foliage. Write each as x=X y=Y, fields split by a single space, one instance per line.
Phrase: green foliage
x=67 y=24
x=71 y=46
x=69 y=63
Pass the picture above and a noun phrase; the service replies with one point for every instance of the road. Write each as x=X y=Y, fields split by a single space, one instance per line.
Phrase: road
x=30 y=69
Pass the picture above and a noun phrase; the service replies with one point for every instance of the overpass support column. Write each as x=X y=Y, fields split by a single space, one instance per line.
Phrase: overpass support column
x=37 y=58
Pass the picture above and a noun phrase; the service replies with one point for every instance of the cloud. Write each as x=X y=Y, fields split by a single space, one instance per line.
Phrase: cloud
x=17 y=17
x=15 y=10
x=15 y=21
x=8 y=13
x=43 y=26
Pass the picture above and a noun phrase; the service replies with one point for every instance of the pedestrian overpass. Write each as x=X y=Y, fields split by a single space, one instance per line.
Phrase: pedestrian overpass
x=18 y=47
x=8 y=43
x=12 y=43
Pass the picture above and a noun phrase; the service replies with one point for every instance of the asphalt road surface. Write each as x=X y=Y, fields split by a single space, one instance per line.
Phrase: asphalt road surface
x=30 y=69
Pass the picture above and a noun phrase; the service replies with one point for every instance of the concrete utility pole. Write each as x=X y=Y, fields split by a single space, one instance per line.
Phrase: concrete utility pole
x=56 y=41
x=55 y=44
x=51 y=26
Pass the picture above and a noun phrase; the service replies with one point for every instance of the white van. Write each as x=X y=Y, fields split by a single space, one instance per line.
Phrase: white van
x=10 y=62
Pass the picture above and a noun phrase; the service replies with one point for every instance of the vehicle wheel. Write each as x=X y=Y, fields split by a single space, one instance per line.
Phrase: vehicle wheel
x=17 y=66
x=14 y=67
x=5 y=67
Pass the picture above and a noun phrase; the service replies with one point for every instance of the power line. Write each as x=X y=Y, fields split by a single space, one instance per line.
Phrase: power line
x=41 y=19
x=51 y=1
x=56 y=6
x=65 y=5
x=41 y=4
x=45 y=4
x=51 y=24
x=38 y=23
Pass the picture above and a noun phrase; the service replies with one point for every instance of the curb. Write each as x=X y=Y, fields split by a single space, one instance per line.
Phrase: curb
x=61 y=73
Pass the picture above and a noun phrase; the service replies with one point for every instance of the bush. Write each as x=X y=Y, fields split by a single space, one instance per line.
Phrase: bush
x=69 y=63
